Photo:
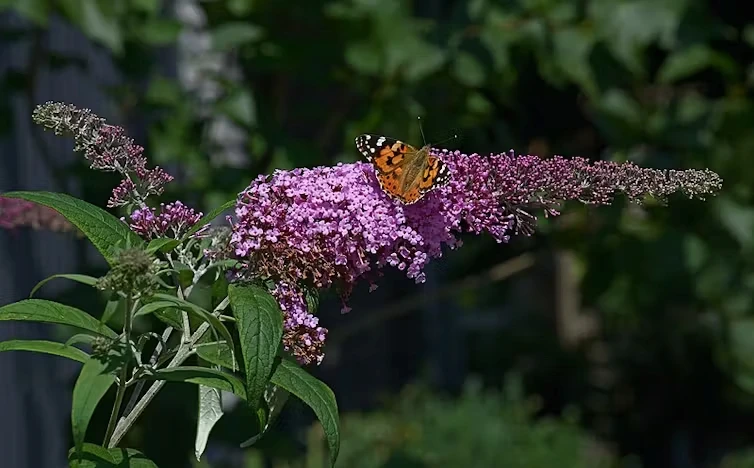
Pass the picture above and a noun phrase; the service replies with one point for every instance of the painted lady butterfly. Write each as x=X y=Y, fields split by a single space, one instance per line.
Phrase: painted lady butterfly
x=404 y=172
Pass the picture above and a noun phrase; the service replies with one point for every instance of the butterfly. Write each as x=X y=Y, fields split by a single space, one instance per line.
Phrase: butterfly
x=404 y=172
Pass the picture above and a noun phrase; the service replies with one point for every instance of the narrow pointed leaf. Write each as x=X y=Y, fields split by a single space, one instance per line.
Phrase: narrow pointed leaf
x=90 y=456
x=162 y=244
x=83 y=279
x=112 y=307
x=275 y=397
x=217 y=353
x=199 y=312
x=95 y=456
x=206 y=219
x=79 y=338
x=259 y=321
x=47 y=347
x=201 y=376
x=40 y=310
x=316 y=395
x=105 y=231
x=171 y=317
x=210 y=411
x=152 y=307
x=90 y=387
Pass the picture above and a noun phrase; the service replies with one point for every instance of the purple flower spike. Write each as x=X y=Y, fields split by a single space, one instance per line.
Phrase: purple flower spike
x=334 y=225
x=302 y=337
x=174 y=220
x=114 y=151
x=107 y=148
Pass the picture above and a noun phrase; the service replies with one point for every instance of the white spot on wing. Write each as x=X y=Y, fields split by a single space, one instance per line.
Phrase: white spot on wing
x=380 y=141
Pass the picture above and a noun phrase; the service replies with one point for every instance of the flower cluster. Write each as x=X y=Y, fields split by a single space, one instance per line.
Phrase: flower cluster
x=134 y=273
x=107 y=148
x=16 y=213
x=173 y=220
x=302 y=335
x=524 y=183
x=334 y=225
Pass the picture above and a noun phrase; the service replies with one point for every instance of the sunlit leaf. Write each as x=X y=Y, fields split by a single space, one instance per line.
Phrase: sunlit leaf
x=95 y=456
x=231 y=35
x=91 y=385
x=259 y=321
x=316 y=395
x=106 y=232
x=83 y=279
x=210 y=411
x=201 y=376
x=40 y=310
x=47 y=347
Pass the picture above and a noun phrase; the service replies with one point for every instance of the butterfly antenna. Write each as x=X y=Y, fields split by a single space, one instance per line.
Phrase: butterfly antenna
x=421 y=129
x=455 y=136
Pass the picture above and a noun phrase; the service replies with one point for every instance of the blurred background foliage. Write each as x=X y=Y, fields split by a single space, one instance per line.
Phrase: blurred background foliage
x=638 y=318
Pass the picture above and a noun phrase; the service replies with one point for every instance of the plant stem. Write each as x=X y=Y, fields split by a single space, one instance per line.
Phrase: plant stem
x=130 y=309
x=153 y=360
x=125 y=423
x=134 y=408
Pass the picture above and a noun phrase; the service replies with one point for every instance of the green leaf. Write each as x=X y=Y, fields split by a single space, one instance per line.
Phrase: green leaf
x=572 y=49
x=83 y=279
x=95 y=456
x=275 y=397
x=162 y=244
x=201 y=376
x=164 y=91
x=741 y=334
x=90 y=387
x=99 y=25
x=219 y=354
x=105 y=231
x=37 y=11
x=171 y=317
x=150 y=7
x=206 y=219
x=468 y=71
x=113 y=305
x=240 y=107
x=240 y=7
x=364 y=57
x=43 y=346
x=200 y=313
x=692 y=60
x=231 y=35
x=90 y=456
x=210 y=411
x=259 y=321
x=158 y=31
x=630 y=27
x=619 y=105
x=737 y=218
x=80 y=338
x=40 y=310
x=152 y=307
x=316 y=395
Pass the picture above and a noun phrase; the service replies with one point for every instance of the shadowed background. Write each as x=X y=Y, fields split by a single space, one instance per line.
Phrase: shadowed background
x=615 y=336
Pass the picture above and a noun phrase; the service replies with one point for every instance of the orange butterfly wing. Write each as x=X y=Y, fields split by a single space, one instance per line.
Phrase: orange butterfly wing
x=403 y=172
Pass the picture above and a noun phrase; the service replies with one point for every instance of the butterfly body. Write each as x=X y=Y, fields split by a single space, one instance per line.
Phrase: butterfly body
x=403 y=172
